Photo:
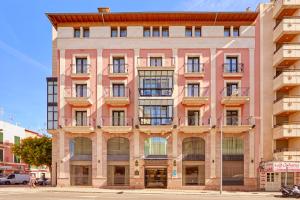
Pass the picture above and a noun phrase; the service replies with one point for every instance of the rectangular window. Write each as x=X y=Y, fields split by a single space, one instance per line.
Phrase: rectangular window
x=232 y=117
x=193 y=64
x=188 y=31
x=118 y=65
x=159 y=86
x=270 y=177
x=232 y=89
x=193 y=90
x=81 y=118
x=165 y=31
x=86 y=32
x=52 y=117
x=156 y=111
x=1 y=137
x=118 y=90
x=155 y=61
x=231 y=65
x=236 y=32
x=17 y=142
x=155 y=32
x=76 y=32
x=227 y=32
x=1 y=155
x=81 y=90
x=193 y=118
x=123 y=32
x=118 y=118
x=146 y=32
x=81 y=66
x=52 y=120
x=198 y=32
x=290 y=178
x=114 y=32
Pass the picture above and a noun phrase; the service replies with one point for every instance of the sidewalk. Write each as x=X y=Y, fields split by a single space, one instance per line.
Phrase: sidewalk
x=137 y=191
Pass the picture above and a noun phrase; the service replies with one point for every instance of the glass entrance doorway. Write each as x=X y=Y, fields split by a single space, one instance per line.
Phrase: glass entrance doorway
x=81 y=175
x=156 y=178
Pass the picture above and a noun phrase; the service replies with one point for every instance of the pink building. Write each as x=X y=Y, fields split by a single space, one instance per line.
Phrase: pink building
x=140 y=100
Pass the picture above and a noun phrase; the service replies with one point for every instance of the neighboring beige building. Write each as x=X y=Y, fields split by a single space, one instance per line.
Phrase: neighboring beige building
x=279 y=28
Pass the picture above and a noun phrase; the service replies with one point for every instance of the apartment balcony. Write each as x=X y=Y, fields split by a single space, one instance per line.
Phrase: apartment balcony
x=193 y=124
x=194 y=70
x=166 y=63
x=84 y=125
x=235 y=96
x=118 y=70
x=287 y=154
x=286 y=130
x=286 y=29
x=237 y=125
x=116 y=97
x=78 y=98
x=117 y=124
x=233 y=70
x=286 y=79
x=195 y=96
x=286 y=54
x=286 y=105
x=160 y=125
x=80 y=72
x=285 y=8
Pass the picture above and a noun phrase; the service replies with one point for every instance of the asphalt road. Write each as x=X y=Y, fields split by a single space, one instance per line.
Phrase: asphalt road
x=47 y=195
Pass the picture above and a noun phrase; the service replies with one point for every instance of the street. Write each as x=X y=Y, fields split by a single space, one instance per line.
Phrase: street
x=38 y=194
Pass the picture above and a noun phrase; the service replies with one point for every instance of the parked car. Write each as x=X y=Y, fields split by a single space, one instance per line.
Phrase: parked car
x=15 y=179
x=43 y=181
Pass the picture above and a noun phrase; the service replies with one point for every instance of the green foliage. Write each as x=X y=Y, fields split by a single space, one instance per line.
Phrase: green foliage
x=35 y=151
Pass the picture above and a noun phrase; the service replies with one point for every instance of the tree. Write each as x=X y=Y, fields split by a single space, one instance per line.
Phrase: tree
x=35 y=151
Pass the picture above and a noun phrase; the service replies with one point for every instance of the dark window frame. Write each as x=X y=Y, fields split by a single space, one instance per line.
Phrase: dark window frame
x=114 y=32
x=227 y=32
x=188 y=31
x=165 y=32
x=123 y=31
x=86 y=32
x=75 y=33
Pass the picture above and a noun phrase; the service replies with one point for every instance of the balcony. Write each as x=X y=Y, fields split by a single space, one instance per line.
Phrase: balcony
x=286 y=29
x=285 y=8
x=286 y=54
x=116 y=97
x=286 y=105
x=118 y=70
x=80 y=72
x=233 y=70
x=287 y=154
x=78 y=98
x=235 y=124
x=195 y=96
x=235 y=96
x=117 y=124
x=286 y=79
x=286 y=130
x=84 y=126
x=194 y=70
x=156 y=124
x=193 y=124
x=166 y=63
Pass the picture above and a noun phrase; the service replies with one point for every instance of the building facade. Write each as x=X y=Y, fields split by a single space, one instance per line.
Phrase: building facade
x=140 y=100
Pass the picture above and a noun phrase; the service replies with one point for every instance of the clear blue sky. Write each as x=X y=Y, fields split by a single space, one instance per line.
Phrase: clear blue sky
x=25 y=46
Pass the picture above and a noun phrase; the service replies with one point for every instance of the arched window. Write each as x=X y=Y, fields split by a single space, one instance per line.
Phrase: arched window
x=118 y=146
x=81 y=148
x=193 y=148
x=155 y=146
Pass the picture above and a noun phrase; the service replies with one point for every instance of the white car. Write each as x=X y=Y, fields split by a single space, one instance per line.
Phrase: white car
x=15 y=179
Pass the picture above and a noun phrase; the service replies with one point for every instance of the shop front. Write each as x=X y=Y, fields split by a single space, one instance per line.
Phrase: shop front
x=274 y=174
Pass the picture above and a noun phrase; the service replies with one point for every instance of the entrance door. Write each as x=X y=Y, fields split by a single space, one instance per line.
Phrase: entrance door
x=156 y=178
x=81 y=175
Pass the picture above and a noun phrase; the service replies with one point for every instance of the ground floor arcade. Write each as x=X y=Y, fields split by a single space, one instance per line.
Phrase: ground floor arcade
x=157 y=160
